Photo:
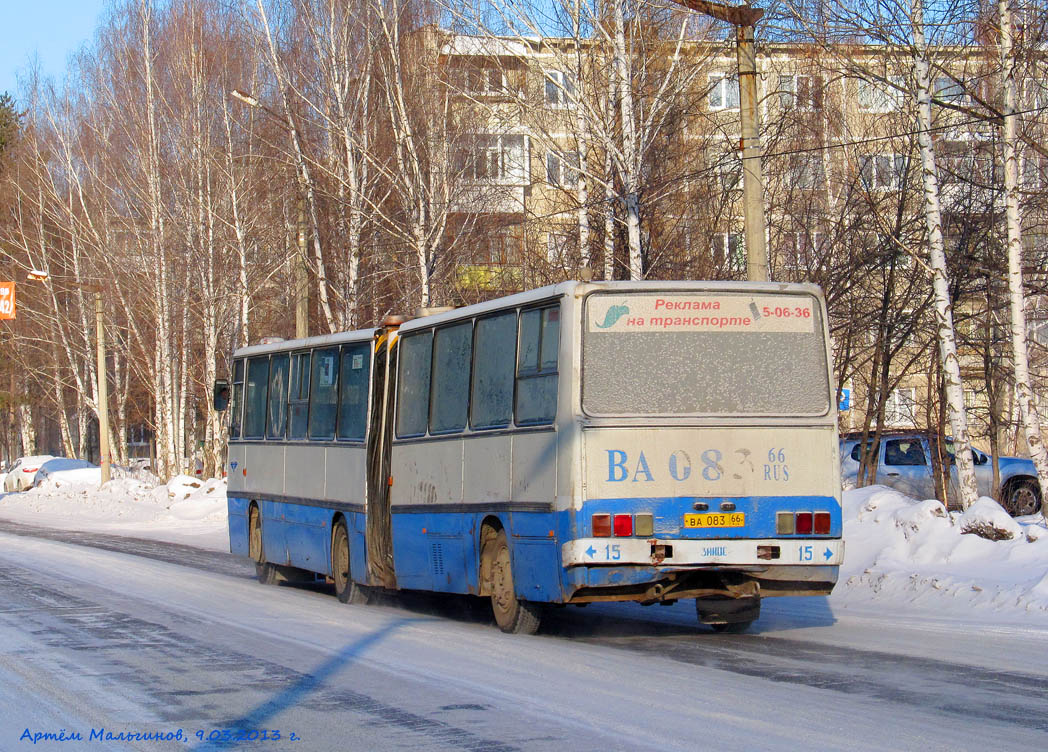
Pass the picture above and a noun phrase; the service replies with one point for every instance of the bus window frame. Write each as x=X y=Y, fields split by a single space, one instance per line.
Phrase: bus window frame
x=420 y=332
x=265 y=400
x=471 y=423
x=236 y=412
x=471 y=323
x=369 y=346
x=293 y=354
x=337 y=387
x=287 y=391
x=540 y=307
x=831 y=409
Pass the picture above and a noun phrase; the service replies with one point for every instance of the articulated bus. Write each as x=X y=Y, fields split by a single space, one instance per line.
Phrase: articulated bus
x=604 y=441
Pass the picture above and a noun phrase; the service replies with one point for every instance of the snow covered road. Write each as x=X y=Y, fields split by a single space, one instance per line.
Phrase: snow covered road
x=171 y=639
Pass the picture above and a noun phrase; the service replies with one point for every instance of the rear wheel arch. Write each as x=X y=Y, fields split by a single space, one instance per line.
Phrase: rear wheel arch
x=486 y=537
x=336 y=518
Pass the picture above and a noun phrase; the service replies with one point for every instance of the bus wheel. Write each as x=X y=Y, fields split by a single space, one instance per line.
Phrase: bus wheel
x=730 y=615
x=346 y=590
x=264 y=571
x=512 y=614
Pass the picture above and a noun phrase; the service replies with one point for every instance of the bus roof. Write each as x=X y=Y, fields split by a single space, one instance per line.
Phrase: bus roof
x=576 y=287
x=357 y=335
x=533 y=296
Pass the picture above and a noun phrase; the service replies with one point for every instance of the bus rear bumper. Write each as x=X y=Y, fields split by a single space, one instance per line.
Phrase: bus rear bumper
x=656 y=552
x=662 y=584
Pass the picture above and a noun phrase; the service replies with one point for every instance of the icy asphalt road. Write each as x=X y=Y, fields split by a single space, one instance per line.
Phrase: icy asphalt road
x=137 y=636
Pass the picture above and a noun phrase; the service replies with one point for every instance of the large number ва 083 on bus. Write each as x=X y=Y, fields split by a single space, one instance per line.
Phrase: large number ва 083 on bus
x=646 y=441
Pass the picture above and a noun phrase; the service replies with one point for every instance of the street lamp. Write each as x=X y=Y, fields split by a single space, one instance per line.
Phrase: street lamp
x=302 y=267
x=744 y=18
x=38 y=275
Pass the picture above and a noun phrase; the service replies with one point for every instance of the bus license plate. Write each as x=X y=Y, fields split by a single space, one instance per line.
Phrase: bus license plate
x=732 y=519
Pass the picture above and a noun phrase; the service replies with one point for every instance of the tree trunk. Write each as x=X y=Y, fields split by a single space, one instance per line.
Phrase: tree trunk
x=937 y=256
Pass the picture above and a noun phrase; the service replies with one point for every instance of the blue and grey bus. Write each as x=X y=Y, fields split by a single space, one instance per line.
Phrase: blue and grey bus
x=583 y=442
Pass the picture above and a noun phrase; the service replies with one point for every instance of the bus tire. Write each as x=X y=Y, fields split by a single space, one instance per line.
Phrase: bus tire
x=512 y=614
x=728 y=615
x=346 y=590
x=265 y=572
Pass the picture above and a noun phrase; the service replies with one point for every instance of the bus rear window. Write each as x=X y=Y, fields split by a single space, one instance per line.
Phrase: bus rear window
x=694 y=353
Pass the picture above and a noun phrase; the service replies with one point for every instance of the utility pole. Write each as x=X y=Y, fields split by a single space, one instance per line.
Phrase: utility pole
x=103 y=393
x=744 y=18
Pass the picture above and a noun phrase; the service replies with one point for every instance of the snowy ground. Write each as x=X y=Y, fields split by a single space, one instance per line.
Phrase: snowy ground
x=186 y=510
x=903 y=556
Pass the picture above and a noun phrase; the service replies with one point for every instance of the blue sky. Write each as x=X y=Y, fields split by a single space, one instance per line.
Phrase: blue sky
x=47 y=29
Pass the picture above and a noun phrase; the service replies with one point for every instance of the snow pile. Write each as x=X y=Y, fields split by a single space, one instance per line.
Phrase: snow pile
x=916 y=552
x=185 y=510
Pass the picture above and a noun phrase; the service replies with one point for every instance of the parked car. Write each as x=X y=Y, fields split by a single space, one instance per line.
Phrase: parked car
x=905 y=464
x=23 y=472
x=68 y=471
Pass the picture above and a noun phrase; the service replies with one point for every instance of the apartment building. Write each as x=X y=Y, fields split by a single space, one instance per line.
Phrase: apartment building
x=554 y=157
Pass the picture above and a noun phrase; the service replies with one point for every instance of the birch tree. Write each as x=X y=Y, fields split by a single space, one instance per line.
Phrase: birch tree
x=1023 y=393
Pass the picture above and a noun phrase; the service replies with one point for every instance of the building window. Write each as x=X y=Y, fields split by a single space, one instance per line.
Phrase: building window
x=498 y=247
x=1034 y=172
x=802 y=93
x=729 y=173
x=878 y=96
x=901 y=407
x=882 y=172
x=803 y=250
x=560 y=88
x=560 y=247
x=562 y=169
x=948 y=90
x=478 y=80
x=491 y=158
x=1036 y=95
x=807 y=171
x=729 y=251
x=724 y=92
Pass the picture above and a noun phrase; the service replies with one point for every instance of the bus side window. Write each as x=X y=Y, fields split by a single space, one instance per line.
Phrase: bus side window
x=353 y=391
x=537 y=366
x=238 y=399
x=323 y=394
x=276 y=424
x=298 y=399
x=494 y=349
x=452 y=346
x=255 y=402
x=413 y=385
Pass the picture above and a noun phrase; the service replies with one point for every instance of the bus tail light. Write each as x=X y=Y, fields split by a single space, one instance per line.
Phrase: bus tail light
x=804 y=523
x=822 y=523
x=623 y=525
x=784 y=523
x=602 y=526
x=644 y=525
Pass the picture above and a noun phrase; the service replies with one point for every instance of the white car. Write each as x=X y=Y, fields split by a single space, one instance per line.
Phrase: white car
x=59 y=470
x=23 y=473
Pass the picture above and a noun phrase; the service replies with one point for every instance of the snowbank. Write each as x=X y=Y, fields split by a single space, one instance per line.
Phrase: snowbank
x=185 y=510
x=915 y=552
